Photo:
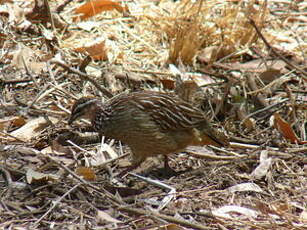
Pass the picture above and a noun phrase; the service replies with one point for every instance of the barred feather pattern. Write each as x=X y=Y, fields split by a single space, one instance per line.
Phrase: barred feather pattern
x=150 y=123
x=168 y=111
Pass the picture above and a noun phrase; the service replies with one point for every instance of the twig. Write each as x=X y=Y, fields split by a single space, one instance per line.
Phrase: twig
x=138 y=37
x=279 y=81
x=56 y=203
x=17 y=81
x=298 y=150
x=37 y=97
x=100 y=190
x=170 y=195
x=151 y=214
x=84 y=76
x=299 y=69
x=51 y=73
x=112 y=160
x=213 y=157
x=264 y=109
x=102 y=165
x=243 y=146
x=150 y=72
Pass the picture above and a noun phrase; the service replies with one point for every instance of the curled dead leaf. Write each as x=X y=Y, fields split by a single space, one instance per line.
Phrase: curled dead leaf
x=86 y=173
x=33 y=176
x=285 y=129
x=94 y=7
x=97 y=51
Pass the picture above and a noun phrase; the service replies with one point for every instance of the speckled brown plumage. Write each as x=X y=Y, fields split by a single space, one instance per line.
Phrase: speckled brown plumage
x=150 y=123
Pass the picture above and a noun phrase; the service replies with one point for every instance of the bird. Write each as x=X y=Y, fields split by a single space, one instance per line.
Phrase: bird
x=151 y=123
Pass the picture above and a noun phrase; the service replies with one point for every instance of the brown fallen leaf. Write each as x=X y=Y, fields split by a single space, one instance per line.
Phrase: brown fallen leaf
x=86 y=173
x=103 y=217
x=18 y=121
x=34 y=177
x=97 y=51
x=32 y=128
x=26 y=56
x=94 y=7
x=286 y=130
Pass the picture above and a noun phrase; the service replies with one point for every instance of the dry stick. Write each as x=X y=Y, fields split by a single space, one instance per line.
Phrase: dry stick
x=149 y=72
x=115 y=200
x=112 y=160
x=84 y=76
x=279 y=81
x=51 y=73
x=134 y=210
x=166 y=199
x=151 y=214
x=264 y=109
x=252 y=22
x=138 y=37
x=53 y=88
x=37 y=97
x=56 y=203
x=6 y=175
x=213 y=157
x=303 y=150
x=7 y=82
x=208 y=213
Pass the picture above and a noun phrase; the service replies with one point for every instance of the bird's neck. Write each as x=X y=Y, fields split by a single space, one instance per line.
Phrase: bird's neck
x=100 y=113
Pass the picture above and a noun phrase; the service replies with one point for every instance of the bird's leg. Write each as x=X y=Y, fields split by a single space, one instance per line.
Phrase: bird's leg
x=166 y=164
x=167 y=169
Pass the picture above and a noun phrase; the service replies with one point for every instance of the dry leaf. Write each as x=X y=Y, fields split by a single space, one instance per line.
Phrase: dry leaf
x=86 y=173
x=105 y=217
x=18 y=122
x=168 y=227
x=259 y=66
x=31 y=129
x=270 y=75
x=285 y=129
x=282 y=207
x=26 y=56
x=168 y=83
x=94 y=7
x=106 y=147
x=97 y=51
x=245 y=187
x=60 y=149
x=263 y=207
x=262 y=169
x=226 y=210
x=186 y=90
x=12 y=121
x=264 y=155
x=303 y=216
x=37 y=177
